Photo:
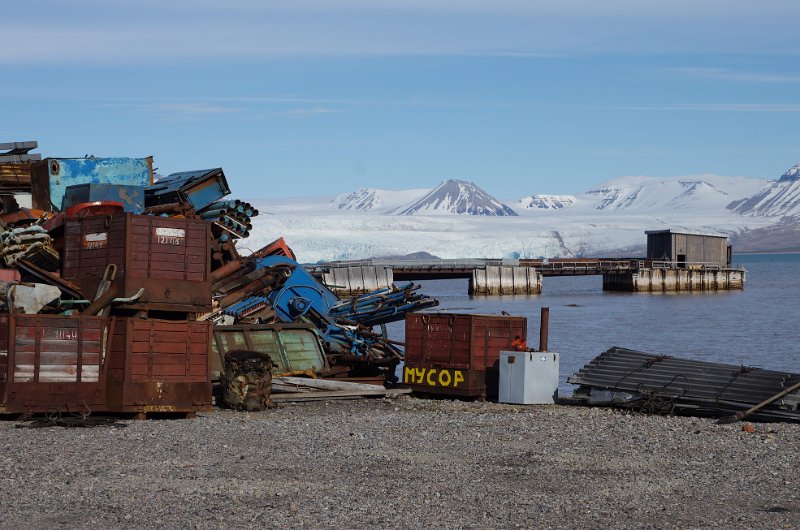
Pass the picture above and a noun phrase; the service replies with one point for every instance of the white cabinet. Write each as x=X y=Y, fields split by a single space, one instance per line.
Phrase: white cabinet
x=528 y=377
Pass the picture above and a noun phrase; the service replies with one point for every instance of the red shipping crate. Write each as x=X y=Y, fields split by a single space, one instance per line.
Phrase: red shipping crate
x=457 y=354
x=168 y=257
x=159 y=366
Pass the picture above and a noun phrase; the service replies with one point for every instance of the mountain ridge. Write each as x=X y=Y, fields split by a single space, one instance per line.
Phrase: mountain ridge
x=456 y=197
x=602 y=221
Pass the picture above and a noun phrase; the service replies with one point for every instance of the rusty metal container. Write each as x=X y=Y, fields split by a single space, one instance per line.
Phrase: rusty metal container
x=94 y=364
x=292 y=347
x=168 y=257
x=52 y=363
x=159 y=366
x=457 y=354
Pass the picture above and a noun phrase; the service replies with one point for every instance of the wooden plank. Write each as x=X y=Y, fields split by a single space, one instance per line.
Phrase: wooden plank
x=316 y=396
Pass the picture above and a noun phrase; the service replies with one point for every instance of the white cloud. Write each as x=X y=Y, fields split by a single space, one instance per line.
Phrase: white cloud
x=723 y=74
x=305 y=111
x=192 y=110
x=720 y=107
x=201 y=30
x=173 y=109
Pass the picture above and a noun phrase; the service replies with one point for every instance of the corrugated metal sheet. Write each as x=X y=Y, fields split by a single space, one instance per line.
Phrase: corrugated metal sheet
x=686 y=385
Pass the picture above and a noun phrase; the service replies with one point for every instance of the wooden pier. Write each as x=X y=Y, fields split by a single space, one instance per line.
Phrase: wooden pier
x=677 y=260
x=508 y=277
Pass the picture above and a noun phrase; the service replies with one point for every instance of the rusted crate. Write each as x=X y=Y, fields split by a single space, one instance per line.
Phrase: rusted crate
x=158 y=366
x=52 y=363
x=93 y=364
x=293 y=347
x=168 y=257
x=457 y=354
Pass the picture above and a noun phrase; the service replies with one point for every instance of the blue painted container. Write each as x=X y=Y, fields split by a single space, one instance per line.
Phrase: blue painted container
x=131 y=197
x=51 y=177
x=198 y=189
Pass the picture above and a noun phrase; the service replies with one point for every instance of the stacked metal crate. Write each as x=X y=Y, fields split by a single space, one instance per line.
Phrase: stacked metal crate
x=136 y=348
x=160 y=363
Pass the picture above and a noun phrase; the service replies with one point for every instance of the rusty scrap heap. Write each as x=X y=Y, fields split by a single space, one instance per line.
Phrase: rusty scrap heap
x=113 y=279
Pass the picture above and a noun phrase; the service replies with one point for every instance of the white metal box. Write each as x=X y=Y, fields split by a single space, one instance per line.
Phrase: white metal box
x=528 y=378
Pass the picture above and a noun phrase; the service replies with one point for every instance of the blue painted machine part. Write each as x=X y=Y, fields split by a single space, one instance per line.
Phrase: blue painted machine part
x=199 y=188
x=302 y=295
x=299 y=293
x=64 y=172
x=245 y=306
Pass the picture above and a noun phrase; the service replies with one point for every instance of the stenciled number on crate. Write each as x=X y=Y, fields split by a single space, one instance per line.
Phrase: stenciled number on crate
x=60 y=334
x=170 y=236
x=432 y=377
x=95 y=241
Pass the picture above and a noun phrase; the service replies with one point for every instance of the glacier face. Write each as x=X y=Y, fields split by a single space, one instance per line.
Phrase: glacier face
x=600 y=221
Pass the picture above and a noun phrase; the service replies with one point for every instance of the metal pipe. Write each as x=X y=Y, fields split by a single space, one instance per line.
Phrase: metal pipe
x=232 y=281
x=213 y=214
x=250 y=289
x=544 y=328
x=227 y=269
x=165 y=208
x=235 y=284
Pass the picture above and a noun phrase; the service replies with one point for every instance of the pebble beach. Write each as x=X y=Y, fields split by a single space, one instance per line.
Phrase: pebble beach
x=403 y=462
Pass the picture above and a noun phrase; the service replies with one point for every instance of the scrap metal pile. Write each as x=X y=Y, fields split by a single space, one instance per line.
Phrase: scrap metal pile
x=107 y=237
x=662 y=384
x=270 y=286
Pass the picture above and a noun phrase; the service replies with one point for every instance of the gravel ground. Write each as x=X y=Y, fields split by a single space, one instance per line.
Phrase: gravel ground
x=403 y=462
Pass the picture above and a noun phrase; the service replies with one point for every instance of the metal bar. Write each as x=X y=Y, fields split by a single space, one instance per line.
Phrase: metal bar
x=544 y=328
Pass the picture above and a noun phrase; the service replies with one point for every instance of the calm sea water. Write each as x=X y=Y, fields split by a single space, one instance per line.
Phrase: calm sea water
x=757 y=326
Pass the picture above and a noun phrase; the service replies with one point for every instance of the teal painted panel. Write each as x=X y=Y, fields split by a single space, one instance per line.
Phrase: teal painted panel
x=65 y=172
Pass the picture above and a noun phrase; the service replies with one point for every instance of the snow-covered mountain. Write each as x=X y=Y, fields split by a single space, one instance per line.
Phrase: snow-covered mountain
x=680 y=193
x=792 y=175
x=456 y=197
x=545 y=202
x=375 y=200
x=777 y=198
x=608 y=220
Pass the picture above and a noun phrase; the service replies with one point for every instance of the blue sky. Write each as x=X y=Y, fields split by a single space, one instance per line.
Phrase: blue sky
x=313 y=97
